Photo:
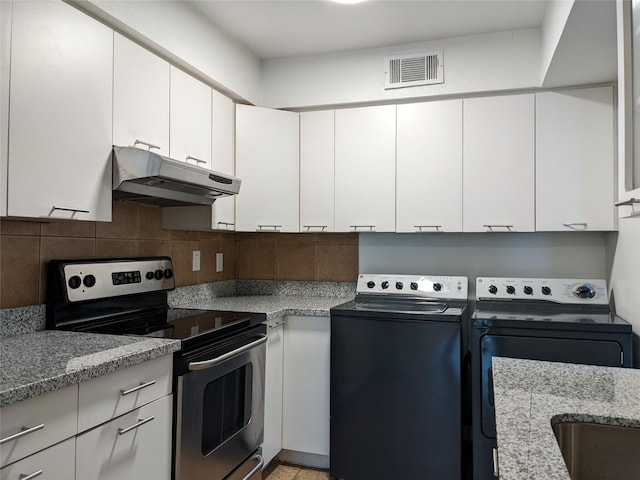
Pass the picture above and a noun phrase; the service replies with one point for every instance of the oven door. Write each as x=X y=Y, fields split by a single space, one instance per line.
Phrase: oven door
x=220 y=410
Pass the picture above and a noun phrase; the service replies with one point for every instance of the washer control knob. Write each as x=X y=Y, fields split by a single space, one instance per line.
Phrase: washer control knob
x=149 y=275
x=511 y=290
x=168 y=273
x=414 y=285
x=437 y=287
x=385 y=285
x=371 y=284
x=159 y=274
x=74 y=282
x=585 y=291
x=493 y=289
x=399 y=285
x=528 y=290
x=546 y=290
x=89 y=281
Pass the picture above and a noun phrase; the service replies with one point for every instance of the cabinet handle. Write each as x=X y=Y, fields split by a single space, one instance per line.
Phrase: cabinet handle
x=420 y=227
x=24 y=476
x=573 y=225
x=496 y=470
x=122 y=431
x=70 y=209
x=356 y=227
x=631 y=201
x=274 y=228
x=22 y=433
x=491 y=227
x=197 y=160
x=321 y=227
x=139 y=387
x=257 y=468
x=147 y=144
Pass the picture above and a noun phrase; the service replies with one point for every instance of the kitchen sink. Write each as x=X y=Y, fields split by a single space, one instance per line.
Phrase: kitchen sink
x=594 y=451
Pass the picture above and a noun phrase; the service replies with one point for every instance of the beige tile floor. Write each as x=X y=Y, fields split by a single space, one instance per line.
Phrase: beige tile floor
x=294 y=472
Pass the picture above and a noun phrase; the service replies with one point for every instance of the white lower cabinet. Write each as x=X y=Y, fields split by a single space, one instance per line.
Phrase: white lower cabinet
x=305 y=421
x=54 y=463
x=273 y=391
x=135 y=445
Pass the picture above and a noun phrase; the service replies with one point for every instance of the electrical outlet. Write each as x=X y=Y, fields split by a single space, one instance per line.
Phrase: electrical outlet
x=196 y=261
x=218 y=262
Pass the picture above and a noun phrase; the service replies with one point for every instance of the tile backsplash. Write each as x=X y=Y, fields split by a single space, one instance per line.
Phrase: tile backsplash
x=26 y=246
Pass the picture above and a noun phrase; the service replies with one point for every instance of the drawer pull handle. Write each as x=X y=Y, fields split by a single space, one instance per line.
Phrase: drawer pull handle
x=269 y=228
x=631 y=201
x=435 y=227
x=139 y=387
x=24 y=476
x=257 y=468
x=321 y=227
x=25 y=431
x=369 y=228
x=147 y=144
x=122 y=431
x=197 y=160
x=71 y=209
x=576 y=225
x=491 y=227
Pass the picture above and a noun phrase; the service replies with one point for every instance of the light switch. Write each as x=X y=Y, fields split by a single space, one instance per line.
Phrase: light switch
x=218 y=262
x=196 y=260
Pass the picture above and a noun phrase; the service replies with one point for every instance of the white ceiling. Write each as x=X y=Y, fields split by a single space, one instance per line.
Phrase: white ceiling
x=284 y=28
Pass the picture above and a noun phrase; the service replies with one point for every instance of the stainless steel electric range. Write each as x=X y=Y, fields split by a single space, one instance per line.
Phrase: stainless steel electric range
x=218 y=374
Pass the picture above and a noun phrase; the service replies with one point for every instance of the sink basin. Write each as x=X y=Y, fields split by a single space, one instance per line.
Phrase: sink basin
x=594 y=451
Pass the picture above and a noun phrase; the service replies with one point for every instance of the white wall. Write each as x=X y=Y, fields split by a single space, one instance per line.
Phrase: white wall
x=185 y=37
x=555 y=19
x=478 y=63
x=5 y=53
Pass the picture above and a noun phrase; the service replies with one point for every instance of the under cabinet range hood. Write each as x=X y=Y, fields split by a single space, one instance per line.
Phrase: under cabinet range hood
x=145 y=177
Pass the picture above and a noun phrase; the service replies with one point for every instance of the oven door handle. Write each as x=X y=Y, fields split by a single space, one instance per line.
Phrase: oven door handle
x=257 y=468
x=222 y=358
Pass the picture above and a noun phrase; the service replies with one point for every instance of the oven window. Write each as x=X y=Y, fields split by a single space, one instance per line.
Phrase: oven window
x=226 y=407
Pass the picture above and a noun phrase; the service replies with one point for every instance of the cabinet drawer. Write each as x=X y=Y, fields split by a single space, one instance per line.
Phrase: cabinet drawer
x=55 y=411
x=110 y=396
x=115 y=451
x=55 y=463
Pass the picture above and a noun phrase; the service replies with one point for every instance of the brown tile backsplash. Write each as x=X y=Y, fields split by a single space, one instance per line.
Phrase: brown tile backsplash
x=26 y=246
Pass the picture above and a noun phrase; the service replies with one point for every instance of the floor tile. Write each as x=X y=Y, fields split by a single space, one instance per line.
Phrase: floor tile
x=306 y=474
x=283 y=472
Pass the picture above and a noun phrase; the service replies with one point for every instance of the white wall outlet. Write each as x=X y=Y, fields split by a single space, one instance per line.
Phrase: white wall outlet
x=196 y=261
x=218 y=262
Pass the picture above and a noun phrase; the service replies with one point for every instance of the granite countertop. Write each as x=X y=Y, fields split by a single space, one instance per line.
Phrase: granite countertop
x=274 y=306
x=36 y=363
x=529 y=394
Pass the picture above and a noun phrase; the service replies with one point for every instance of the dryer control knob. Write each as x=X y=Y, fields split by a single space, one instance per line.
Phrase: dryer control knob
x=371 y=284
x=437 y=287
x=546 y=290
x=414 y=285
x=585 y=291
x=493 y=289
x=511 y=289
x=399 y=285
x=385 y=285
x=528 y=290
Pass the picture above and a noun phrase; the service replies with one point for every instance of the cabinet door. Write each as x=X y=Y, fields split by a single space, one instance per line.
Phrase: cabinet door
x=429 y=167
x=140 y=97
x=267 y=153
x=54 y=463
x=190 y=119
x=317 y=171
x=223 y=135
x=498 y=168
x=365 y=169
x=60 y=125
x=273 y=392
x=305 y=422
x=575 y=160
x=135 y=445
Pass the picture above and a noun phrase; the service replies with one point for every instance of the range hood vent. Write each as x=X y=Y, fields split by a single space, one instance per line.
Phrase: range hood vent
x=144 y=177
x=411 y=70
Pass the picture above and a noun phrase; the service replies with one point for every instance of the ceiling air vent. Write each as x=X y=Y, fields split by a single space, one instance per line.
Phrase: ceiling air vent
x=415 y=69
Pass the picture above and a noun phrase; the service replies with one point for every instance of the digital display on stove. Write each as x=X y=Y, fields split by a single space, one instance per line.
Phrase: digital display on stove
x=124 y=278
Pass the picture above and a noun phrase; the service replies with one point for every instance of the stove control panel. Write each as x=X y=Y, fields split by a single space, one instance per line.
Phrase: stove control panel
x=414 y=285
x=557 y=290
x=111 y=278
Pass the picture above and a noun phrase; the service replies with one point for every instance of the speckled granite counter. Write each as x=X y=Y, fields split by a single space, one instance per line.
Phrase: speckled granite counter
x=529 y=394
x=37 y=363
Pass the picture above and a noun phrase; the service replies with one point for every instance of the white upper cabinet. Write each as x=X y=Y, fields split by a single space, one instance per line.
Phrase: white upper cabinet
x=223 y=137
x=575 y=160
x=60 y=125
x=429 y=167
x=190 y=119
x=365 y=154
x=498 y=166
x=140 y=97
x=317 y=171
x=267 y=162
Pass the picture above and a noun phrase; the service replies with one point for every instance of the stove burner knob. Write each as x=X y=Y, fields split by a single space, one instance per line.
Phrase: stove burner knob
x=168 y=273
x=385 y=285
x=528 y=290
x=89 y=281
x=414 y=285
x=437 y=287
x=149 y=275
x=371 y=284
x=493 y=289
x=158 y=275
x=546 y=290
x=511 y=289
x=74 y=282
x=585 y=291
x=399 y=285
